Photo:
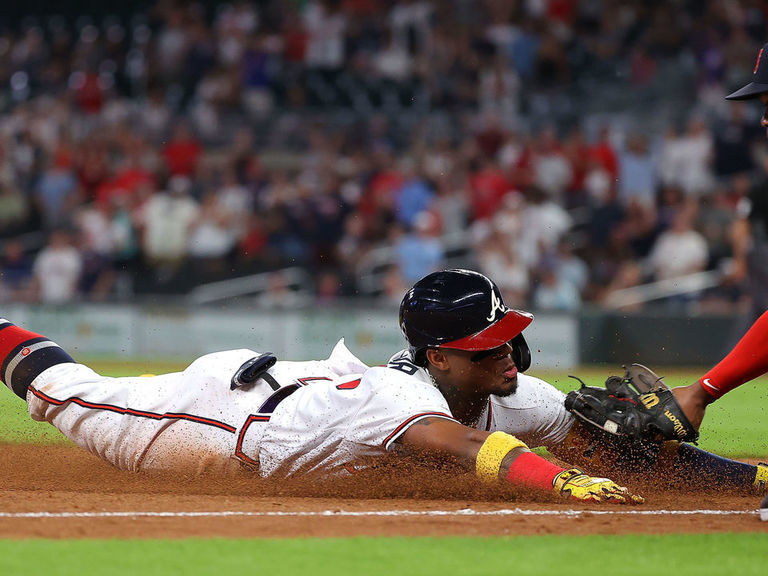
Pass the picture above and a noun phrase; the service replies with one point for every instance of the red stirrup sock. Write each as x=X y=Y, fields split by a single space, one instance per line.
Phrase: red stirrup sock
x=747 y=360
x=24 y=355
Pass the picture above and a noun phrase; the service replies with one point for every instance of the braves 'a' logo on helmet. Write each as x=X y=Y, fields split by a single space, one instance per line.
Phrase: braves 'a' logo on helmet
x=496 y=304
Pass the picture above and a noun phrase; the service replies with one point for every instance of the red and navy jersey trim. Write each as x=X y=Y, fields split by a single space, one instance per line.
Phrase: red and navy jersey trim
x=490 y=416
x=240 y=437
x=133 y=412
x=309 y=379
x=412 y=420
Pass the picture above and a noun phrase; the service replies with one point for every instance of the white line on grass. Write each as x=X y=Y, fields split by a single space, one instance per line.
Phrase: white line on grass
x=352 y=513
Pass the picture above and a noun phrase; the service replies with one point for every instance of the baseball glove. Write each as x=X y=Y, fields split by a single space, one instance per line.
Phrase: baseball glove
x=639 y=408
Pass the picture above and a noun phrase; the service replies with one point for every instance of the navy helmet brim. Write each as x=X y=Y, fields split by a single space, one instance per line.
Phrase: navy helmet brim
x=748 y=92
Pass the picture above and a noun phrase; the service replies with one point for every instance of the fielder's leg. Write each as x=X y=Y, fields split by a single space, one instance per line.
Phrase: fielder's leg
x=747 y=361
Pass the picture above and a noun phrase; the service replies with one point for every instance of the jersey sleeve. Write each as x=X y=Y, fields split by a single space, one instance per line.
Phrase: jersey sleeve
x=395 y=401
x=535 y=413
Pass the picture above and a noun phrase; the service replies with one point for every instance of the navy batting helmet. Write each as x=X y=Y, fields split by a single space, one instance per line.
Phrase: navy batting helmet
x=461 y=309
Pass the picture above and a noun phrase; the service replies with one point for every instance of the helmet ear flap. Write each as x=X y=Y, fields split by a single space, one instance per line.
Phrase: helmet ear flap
x=521 y=353
x=419 y=357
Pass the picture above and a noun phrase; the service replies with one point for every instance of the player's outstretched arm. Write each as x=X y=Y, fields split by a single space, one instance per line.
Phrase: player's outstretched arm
x=499 y=456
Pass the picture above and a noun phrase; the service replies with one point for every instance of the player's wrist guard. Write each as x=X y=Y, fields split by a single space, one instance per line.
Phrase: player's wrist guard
x=492 y=453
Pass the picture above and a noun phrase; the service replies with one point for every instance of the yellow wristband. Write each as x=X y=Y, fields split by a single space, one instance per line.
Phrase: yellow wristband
x=492 y=452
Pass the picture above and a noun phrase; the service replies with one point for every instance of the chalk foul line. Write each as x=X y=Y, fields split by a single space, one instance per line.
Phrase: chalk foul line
x=375 y=513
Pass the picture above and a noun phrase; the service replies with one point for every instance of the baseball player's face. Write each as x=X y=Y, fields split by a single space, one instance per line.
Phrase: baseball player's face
x=487 y=372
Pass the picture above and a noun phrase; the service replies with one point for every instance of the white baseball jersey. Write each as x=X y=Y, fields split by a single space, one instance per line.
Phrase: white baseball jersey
x=341 y=412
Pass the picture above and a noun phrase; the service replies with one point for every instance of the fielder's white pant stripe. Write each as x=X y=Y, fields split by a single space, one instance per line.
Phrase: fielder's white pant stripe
x=26 y=351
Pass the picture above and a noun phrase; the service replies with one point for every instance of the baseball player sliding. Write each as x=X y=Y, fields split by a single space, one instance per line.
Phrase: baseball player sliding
x=458 y=391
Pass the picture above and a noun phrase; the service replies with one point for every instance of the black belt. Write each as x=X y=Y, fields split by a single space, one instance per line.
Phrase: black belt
x=271 y=403
x=256 y=369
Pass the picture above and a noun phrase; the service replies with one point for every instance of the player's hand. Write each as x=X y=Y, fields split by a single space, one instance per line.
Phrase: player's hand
x=577 y=485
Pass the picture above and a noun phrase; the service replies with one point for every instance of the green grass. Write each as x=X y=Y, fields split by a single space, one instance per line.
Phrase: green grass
x=742 y=554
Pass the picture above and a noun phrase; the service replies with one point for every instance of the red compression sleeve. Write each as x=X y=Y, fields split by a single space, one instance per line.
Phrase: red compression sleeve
x=11 y=336
x=24 y=355
x=747 y=360
x=533 y=471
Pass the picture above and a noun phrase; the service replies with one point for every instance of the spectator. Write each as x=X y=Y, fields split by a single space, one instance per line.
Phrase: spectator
x=167 y=220
x=488 y=186
x=130 y=173
x=57 y=269
x=420 y=251
x=57 y=193
x=97 y=245
x=415 y=194
x=15 y=272
x=498 y=256
x=392 y=287
x=545 y=223
x=680 y=250
x=698 y=179
x=552 y=171
x=257 y=69
x=324 y=55
x=604 y=154
x=637 y=172
x=182 y=153
x=15 y=211
x=451 y=201
x=569 y=266
x=555 y=292
x=733 y=142
x=126 y=251
x=212 y=236
x=686 y=160
x=91 y=162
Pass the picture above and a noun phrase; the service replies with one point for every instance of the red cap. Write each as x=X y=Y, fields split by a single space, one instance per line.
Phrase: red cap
x=497 y=334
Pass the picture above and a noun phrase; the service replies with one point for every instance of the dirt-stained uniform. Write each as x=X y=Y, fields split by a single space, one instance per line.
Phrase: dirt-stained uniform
x=341 y=413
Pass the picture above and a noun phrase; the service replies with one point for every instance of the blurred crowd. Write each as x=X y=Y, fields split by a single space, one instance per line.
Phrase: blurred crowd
x=378 y=140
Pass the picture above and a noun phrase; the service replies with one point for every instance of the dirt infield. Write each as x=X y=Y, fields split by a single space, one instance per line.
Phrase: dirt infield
x=63 y=492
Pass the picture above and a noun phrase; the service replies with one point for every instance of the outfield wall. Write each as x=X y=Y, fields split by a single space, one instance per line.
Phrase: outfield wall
x=183 y=333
